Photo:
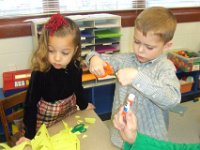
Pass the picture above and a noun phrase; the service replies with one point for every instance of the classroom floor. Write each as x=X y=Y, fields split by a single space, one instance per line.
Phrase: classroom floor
x=185 y=125
x=186 y=128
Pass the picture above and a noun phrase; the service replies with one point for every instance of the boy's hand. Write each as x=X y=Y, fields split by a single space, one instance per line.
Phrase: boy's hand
x=126 y=76
x=97 y=66
x=128 y=128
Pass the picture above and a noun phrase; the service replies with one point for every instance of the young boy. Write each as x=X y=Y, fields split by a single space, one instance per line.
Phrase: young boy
x=147 y=73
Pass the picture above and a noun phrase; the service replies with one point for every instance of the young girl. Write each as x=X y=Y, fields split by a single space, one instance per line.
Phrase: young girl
x=56 y=80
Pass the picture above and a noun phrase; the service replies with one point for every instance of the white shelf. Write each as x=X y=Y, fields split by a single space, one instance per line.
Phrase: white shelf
x=95 y=83
x=106 y=27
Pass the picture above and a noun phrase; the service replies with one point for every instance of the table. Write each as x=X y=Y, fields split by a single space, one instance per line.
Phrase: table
x=98 y=137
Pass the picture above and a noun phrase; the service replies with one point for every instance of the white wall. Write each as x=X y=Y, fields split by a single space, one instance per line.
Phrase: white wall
x=187 y=36
x=15 y=52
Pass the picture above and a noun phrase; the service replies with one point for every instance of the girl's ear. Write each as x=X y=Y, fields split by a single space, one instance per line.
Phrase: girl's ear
x=75 y=50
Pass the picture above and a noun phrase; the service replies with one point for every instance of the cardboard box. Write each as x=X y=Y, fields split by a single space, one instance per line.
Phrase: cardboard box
x=186 y=87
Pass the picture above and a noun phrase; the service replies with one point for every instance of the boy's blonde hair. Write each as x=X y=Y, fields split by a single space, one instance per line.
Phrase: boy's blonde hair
x=158 y=20
x=39 y=61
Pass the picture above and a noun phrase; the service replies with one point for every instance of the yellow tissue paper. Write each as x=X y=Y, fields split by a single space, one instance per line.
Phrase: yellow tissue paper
x=14 y=129
x=62 y=140
x=77 y=117
x=84 y=136
x=66 y=126
x=90 y=120
x=4 y=146
x=79 y=121
x=65 y=139
x=21 y=146
x=42 y=139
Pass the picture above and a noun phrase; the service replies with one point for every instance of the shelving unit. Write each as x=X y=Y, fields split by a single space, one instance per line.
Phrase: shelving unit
x=36 y=28
x=99 y=32
x=195 y=91
x=188 y=64
x=102 y=97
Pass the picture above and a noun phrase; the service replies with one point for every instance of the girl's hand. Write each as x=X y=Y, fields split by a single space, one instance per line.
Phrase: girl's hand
x=127 y=127
x=90 y=106
x=97 y=66
x=21 y=140
x=126 y=76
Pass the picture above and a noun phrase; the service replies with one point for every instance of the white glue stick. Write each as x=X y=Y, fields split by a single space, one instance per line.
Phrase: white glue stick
x=129 y=103
x=130 y=99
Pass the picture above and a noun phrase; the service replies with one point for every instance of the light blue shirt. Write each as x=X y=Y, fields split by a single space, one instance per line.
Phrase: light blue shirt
x=156 y=89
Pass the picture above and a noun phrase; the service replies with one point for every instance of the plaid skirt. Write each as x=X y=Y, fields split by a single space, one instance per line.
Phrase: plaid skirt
x=50 y=113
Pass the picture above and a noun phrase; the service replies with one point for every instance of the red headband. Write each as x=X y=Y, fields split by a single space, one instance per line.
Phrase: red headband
x=55 y=22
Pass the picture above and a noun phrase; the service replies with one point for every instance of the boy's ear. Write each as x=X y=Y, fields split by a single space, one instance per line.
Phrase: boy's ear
x=168 y=45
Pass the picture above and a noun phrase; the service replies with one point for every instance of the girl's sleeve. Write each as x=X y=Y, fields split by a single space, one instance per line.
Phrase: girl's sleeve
x=30 y=109
x=144 y=142
x=82 y=102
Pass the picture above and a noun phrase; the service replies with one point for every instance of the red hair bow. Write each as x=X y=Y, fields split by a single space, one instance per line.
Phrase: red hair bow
x=55 y=22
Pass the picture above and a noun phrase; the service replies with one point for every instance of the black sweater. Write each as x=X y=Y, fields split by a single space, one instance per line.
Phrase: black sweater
x=56 y=84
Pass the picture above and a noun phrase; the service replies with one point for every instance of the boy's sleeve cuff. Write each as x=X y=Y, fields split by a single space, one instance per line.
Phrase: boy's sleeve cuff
x=89 y=56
